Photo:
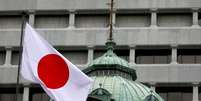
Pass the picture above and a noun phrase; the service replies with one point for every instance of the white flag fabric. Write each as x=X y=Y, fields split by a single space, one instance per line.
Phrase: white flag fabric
x=44 y=65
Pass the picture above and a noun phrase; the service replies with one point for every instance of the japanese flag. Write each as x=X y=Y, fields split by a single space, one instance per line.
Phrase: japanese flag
x=43 y=64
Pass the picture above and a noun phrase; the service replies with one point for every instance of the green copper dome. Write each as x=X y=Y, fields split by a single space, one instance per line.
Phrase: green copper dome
x=111 y=62
x=122 y=89
x=114 y=80
x=109 y=58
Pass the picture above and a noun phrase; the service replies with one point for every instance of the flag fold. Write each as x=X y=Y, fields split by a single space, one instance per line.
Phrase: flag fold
x=44 y=65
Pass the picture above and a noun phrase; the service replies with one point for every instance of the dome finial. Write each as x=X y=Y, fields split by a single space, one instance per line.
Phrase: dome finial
x=151 y=91
x=100 y=84
x=110 y=44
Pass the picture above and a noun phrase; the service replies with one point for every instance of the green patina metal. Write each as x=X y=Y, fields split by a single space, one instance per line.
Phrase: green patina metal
x=109 y=58
x=109 y=70
x=122 y=89
x=110 y=61
x=101 y=93
x=114 y=80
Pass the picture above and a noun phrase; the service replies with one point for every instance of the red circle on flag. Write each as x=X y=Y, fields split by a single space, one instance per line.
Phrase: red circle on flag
x=53 y=71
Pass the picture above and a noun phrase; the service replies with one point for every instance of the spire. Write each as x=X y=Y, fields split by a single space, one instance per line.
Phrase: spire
x=110 y=42
x=111 y=19
x=110 y=62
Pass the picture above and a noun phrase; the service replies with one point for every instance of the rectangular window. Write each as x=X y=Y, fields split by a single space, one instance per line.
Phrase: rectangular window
x=199 y=19
x=174 y=20
x=2 y=57
x=175 y=93
x=98 y=53
x=122 y=53
x=8 y=94
x=91 y=21
x=10 y=21
x=189 y=56
x=153 y=56
x=199 y=93
x=76 y=57
x=133 y=20
x=15 y=57
x=37 y=94
x=51 y=21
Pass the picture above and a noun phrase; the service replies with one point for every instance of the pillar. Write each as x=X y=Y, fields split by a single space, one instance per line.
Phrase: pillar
x=132 y=54
x=8 y=55
x=26 y=93
x=152 y=84
x=90 y=54
x=72 y=19
x=153 y=17
x=195 y=92
x=114 y=18
x=31 y=17
x=174 y=54
x=195 y=17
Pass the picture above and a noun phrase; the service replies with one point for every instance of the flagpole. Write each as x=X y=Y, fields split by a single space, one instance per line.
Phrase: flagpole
x=20 y=55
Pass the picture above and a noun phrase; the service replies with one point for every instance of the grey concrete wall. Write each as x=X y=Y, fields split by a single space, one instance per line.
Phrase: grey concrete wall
x=49 y=21
x=167 y=73
x=94 y=4
x=133 y=20
x=123 y=36
x=91 y=21
x=8 y=74
x=175 y=20
x=10 y=22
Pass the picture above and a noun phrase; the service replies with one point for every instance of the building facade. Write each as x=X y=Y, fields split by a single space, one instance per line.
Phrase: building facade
x=161 y=39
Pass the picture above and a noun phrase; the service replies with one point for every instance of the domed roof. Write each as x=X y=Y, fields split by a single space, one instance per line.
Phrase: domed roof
x=122 y=89
x=110 y=61
x=117 y=79
x=109 y=58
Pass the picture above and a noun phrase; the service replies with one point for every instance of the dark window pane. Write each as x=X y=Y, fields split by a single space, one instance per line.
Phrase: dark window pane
x=199 y=93
x=40 y=97
x=164 y=96
x=2 y=57
x=10 y=97
x=174 y=96
x=153 y=56
x=161 y=59
x=200 y=97
x=98 y=53
x=187 y=96
x=188 y=59
x=37 y=94
x=15 y=58
x=175 y=93
x=124 y=54
x=8 y=94
x=189 y=56
x=199 y=19
x=198 y=59
x=145 y=60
